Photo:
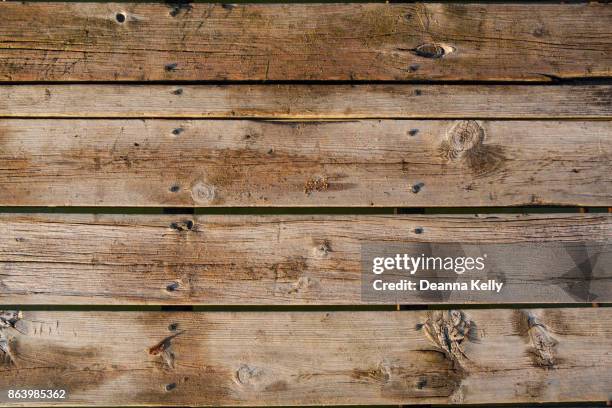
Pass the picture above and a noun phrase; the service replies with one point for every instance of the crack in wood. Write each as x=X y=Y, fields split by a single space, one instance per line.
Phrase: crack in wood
x=164 y=350
x=448 y=331
x=8 y=319
x=543 y=346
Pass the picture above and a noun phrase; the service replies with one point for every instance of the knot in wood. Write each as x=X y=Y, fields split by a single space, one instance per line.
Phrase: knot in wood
x=246 y=375
x=316 y=184
x=303 y=283
x=8 y=318
x=464 y=143
x=179 y=7
x=6 y=354
x=203 y=193
x=164 y=350
x=433 y=50
x=448 y=331
x=170 y=67
x=464 y=136
x=323 y=248
x=380 y=374
x=120 y=17
x=543 y=344
x=182 y=225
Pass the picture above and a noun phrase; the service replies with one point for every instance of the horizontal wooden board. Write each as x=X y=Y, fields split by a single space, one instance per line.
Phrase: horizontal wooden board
x=395 y=163
x=182 y=41
x=310 y=358
x=264 y=260
x=307 y=101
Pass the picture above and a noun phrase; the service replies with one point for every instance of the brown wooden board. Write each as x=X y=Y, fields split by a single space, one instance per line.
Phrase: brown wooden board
x=386 y=101
x=184 y=41
x=395 y=163
x=264 y=260
x=310 y=358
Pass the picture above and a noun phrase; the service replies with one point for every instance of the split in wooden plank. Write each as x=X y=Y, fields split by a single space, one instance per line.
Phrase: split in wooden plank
x=391 y=101
x=142 y=42
x=394 y=163
x=309 y=358
x=273 y=260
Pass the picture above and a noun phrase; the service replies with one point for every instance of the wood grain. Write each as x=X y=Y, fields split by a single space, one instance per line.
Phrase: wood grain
x=307 y=101
x=264 y=260
x=395 y=163
x=87 y=42
x=311 y=358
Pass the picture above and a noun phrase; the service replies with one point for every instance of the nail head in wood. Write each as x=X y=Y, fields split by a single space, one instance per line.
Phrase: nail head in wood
x=172 y=286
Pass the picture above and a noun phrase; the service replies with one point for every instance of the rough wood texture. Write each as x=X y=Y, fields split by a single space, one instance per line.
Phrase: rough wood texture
x=242 y=260
x=396 y=163
x=311 y=358
x=180 y=41
x=307 y=101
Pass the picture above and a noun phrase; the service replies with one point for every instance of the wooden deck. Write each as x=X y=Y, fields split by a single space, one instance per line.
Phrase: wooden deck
x=187 y=192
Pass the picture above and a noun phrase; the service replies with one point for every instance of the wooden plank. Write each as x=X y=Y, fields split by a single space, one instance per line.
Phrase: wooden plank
x=307 y=101
x=395 y=163
x=311 y=358
x=263 y=260
x=184 y=41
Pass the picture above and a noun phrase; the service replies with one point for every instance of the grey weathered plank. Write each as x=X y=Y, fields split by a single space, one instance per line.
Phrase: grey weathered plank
x=310 y=358
x=268 y=260
x=307 y=101
x=139 y=41
x=396 y=163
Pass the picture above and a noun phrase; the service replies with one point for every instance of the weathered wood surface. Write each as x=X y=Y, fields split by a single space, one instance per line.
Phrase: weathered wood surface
x=259 y=260
x=136 y=41
x=396 y=163
x=307 y=101
x=311 y=358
